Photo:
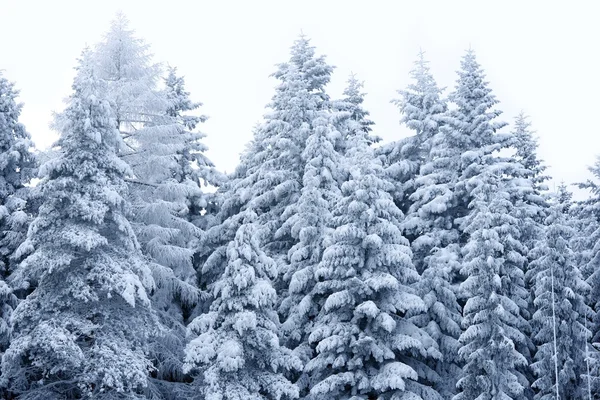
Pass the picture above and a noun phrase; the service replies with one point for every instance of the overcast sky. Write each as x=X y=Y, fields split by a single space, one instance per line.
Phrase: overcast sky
x=540 y=56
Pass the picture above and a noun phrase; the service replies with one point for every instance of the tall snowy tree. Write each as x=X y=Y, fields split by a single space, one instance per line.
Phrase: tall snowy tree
x=17 y=164
x=350 y=110
x=17 y=168
x=82 y=332
x=170 y=166
x=422 y=108
x=308 y=221
x=125 y=62
x=269 y=177
x=236 y=348
x=365 y=346
x=560 y=314
x=493 y=264
x=526 y=146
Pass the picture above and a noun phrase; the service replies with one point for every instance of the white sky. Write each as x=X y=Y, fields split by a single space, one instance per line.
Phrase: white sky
x=540 y=56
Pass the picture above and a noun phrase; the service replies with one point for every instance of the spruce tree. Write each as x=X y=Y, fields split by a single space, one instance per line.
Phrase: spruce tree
x=308 y=221
x=269 y=177
x=560 y=314
x=170 y=166
x=495 y=330
x=422 y=108
x=17 y=168
x=365 y=346
x=17 y=164
x=83 y=331
x=236 y=348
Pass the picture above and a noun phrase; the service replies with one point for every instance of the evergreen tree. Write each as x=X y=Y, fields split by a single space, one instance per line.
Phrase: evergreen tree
x=422 y=108
x=125 y=62
x=468 y=158
x=269 y=176
x=17 y=164
x=82 y=332
x=17 y=167
x=493 y=264
x=308 y=221
x=350 y=108
x=236 y=348
x=170 y=166
x=365 y=345
x=559 y=320
x=526 y=146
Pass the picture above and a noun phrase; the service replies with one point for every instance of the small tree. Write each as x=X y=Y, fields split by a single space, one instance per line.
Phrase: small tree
x=236 y=348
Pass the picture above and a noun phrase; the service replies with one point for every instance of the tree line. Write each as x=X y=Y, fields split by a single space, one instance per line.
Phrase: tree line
x=328 y=265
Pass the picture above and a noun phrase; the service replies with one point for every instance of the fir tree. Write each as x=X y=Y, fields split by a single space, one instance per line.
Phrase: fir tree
x=422 y=108
x=560 y=313
x=236 y=348
x=17 y=164
x=350 y=108
x=17 y=167
x=83 y=330
x=170 y=166
x=494 y=327
x=364 y=343
x=269 y=176
x=125 y=62
x=308 y=221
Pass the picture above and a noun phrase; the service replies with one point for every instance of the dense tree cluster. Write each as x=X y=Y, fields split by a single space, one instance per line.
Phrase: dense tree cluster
x=328 y=265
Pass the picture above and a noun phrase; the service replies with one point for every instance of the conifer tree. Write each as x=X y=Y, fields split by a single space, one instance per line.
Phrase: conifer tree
x=17 y=164
x=170 y=166
x=82 y=332
x=308 y=221
x=236 y=347
x=17 y=167
x=493 y=264
x=422 y=108
x=269 y=176
x=125 y=62
x=350 y=108
x=365 y=346
x=560 y=313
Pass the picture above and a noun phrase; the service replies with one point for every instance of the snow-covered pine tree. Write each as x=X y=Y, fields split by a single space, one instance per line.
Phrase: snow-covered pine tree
x=586 y=216
x=526 y=147
x=236 y=348
x=170 y=166
x=82 y=332
x=495 y=287
x=308 y=221
x=422 y=108
x=269 y=177
x=466 y=156
x=125 y=62
x=365 y=345
x=560 y=312
x=17 y=164
x=17 y=167
x=350 y=108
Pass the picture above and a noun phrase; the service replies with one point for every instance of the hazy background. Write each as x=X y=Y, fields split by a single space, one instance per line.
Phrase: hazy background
x=540 y=56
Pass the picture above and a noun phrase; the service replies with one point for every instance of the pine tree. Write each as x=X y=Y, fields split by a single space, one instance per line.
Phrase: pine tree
x=125 y=62
x=83 y=330
x=17 y=167
x=559 y=320
x=422 y=108
x=170 y=166
x=17 y=164
x=526 y=146
x=348 y=110
x=308 y=221
x=237 y=349
x=493 y=264
x=364 y=343
x=269 y=176
x=467 y=156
